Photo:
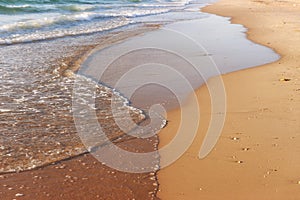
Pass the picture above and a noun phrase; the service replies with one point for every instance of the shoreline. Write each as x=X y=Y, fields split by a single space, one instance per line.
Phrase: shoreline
x=62 y=171
x=251 y=159
x=82 y=175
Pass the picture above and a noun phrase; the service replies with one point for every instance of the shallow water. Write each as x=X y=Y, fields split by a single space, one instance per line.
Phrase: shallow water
x=175 y=60
x=37 y=85
x=36 y=95
x=36 y=118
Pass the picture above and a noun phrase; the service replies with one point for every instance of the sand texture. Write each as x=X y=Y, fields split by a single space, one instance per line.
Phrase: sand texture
x=257 y=155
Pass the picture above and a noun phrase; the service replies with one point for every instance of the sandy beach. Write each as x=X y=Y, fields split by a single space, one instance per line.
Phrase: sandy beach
x=81 y=176
x=257 y=155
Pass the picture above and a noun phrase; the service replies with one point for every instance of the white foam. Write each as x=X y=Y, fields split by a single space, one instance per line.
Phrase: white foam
x=2 y=110
x=42 y=35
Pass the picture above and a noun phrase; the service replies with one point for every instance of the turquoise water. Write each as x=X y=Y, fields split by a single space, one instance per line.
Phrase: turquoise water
x=30 y=20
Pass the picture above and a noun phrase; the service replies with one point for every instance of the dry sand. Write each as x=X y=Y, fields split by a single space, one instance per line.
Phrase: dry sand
x=257 y=155
x=263 y=114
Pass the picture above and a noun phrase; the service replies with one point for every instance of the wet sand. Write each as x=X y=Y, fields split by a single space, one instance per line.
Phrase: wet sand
x=83 y=176
x=257 y=155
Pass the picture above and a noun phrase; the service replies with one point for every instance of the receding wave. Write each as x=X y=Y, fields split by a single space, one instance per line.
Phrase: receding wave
x=36 y=121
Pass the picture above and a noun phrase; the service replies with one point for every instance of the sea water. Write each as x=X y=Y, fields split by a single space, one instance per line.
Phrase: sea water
x=40 y=41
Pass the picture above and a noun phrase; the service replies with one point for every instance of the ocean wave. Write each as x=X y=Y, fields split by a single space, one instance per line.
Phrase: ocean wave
x=48 y=20
x=135 y=13
x=78 y=8
x=30 y=20
x=58 y=33
x=15 y=9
